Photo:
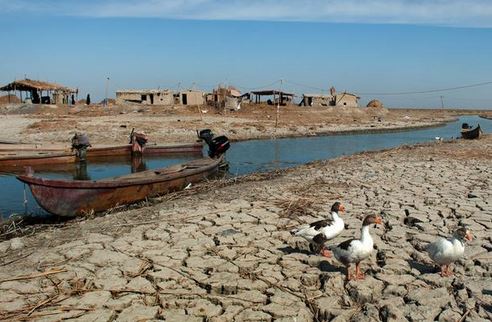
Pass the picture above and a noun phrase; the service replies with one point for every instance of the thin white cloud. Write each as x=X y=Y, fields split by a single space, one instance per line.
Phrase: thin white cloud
x=464 y=13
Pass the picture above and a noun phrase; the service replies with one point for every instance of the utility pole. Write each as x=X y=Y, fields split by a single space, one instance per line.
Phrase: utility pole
x=278 y=105
x=106 y=92
x=442 y=102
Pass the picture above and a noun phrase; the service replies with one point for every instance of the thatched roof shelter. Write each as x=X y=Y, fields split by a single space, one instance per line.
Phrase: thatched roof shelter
x=54 y=93
x=30 y=85
x=278 y=96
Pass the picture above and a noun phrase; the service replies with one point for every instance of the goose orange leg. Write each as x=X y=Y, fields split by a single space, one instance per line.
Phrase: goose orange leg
x=358 y=274
x=450 y=273
x=445 y=271
x=325 y=252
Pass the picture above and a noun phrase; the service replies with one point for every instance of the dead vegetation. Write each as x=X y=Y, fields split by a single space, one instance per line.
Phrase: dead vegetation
x=49 y=297
x=293 y=209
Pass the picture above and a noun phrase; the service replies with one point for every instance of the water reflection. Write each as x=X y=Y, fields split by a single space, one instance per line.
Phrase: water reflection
x=138 y=163
x=81 y=172
x=264 y=155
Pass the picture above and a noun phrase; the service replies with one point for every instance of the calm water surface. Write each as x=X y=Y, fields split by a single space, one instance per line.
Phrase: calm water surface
x=243 y=157
x=264 y=155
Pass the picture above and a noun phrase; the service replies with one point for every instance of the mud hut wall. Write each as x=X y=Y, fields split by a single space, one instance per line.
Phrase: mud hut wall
x=164 y=98
x=192 y=98
x=321 y=101
x=348 y=100
x=317 y=100
x=122 y=97
x=146 y=97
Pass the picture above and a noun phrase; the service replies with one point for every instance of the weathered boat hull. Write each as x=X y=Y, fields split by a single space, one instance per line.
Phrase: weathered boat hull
x=79 y=197
x=10 y=161
x=471 y=134
x=17 y=159
x=149 y=149
x=101 y=149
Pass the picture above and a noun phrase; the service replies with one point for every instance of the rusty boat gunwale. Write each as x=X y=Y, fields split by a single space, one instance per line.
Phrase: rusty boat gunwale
x=96 y=149
x=15 y=159
x=77 y=197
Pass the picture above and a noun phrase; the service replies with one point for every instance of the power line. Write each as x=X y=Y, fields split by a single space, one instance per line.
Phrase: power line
x=358 y=93
x=258 y=87
x=430 y=90
x=469 y=99
x=380 y=93
x=304 y=85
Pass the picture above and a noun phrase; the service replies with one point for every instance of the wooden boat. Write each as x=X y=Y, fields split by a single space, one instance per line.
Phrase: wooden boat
x=79 y=197
x=30 y=147
x=10 y=161
x=30 y=155
x=103 y=150
x=469 y=133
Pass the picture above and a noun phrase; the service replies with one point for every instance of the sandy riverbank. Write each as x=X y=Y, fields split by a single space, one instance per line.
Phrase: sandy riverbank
x=225 y=254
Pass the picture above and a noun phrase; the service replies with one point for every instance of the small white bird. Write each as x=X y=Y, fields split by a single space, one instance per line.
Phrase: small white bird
x=319 y=232
x=445 y=251
x=355 y=250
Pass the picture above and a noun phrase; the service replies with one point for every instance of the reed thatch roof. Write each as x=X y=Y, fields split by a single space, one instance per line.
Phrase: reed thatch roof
x=30 y=85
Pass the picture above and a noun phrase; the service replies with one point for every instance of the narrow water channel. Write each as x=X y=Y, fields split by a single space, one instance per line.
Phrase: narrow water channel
x=243 y=157
x=265 y=155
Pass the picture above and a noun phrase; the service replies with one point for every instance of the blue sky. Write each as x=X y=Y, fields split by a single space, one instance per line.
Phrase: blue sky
x=366 y=47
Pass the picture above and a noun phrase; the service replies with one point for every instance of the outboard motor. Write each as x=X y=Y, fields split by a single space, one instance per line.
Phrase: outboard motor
x=216 y=146
x=465 y=126
x=138 y=141
x=205 y=135
x=80 y=143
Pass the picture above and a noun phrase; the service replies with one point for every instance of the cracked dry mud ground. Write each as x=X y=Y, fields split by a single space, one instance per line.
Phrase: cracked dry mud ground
x=227 y=255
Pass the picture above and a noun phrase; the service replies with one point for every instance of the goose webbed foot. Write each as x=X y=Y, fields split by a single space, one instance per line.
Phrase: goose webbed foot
x=445 y=271
x=325 y=252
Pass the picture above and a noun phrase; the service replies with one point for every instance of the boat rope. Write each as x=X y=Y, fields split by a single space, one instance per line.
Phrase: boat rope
x=25 y=199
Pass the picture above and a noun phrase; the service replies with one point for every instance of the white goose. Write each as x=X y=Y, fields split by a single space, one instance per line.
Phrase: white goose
x=355 y=250
x=319 y=232
x=445 y=251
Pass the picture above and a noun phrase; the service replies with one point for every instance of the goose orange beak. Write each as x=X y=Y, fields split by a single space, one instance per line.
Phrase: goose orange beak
x=378 y=220
x=341 y=208
x=468 y=236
